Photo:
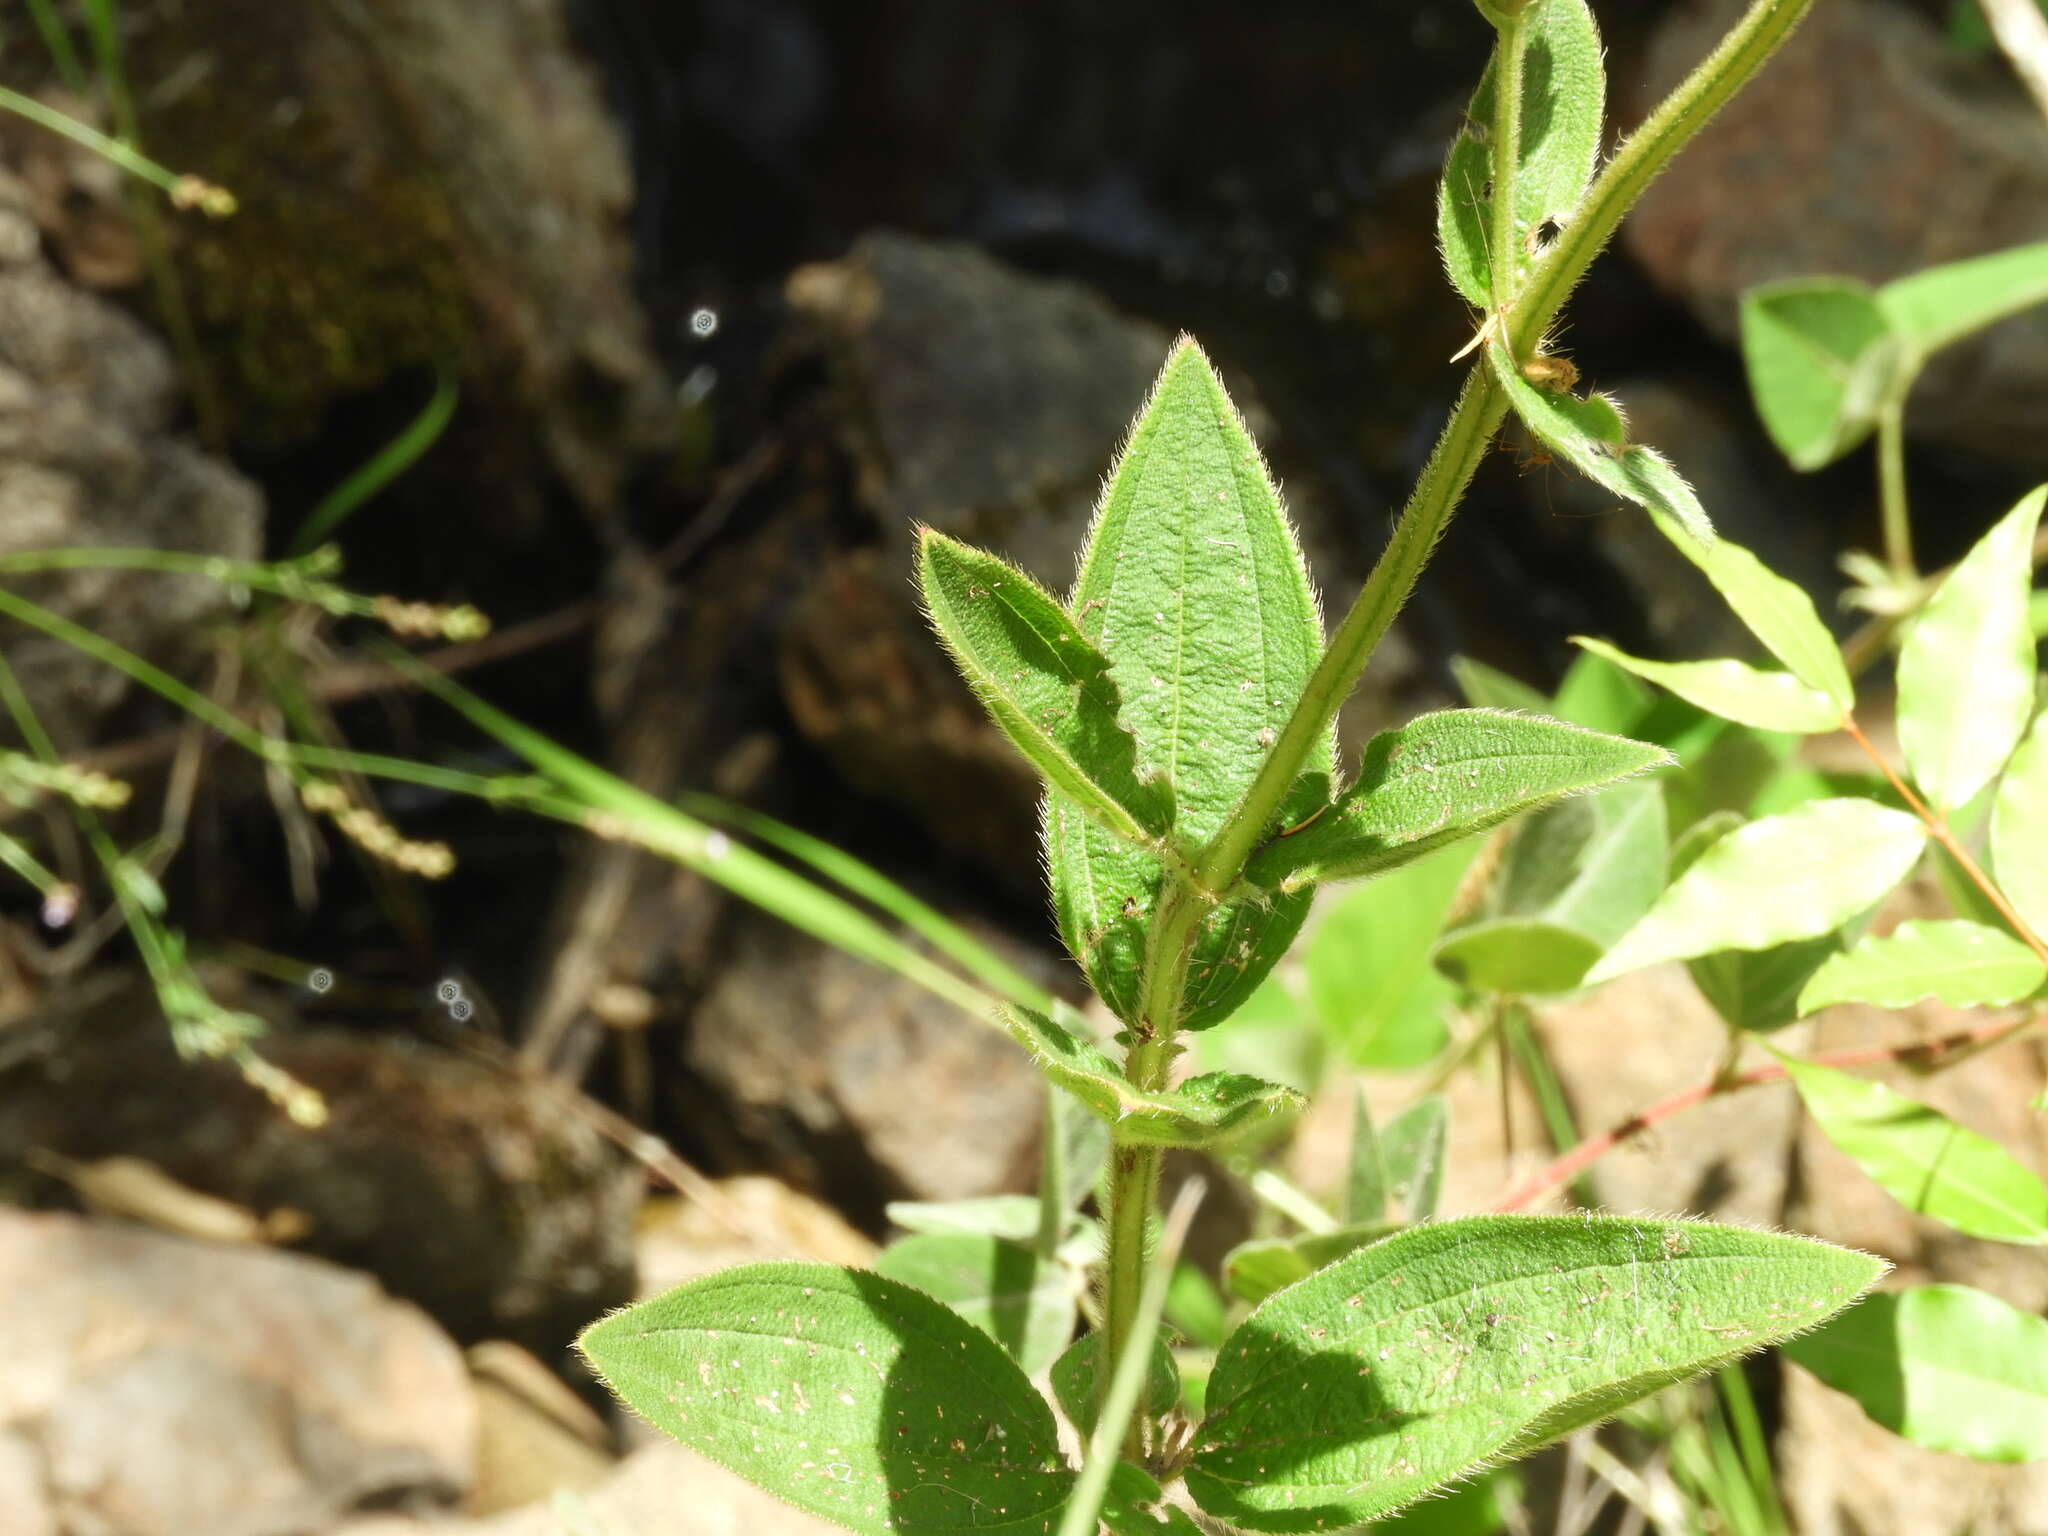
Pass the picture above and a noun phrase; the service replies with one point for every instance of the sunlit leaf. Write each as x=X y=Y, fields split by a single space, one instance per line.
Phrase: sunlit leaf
x=1420 y=1358
x=1821 y=357
x=1021 y=1299
x=1734 y=690
x=1965 y=965
x=1966 y=665
x=1367 y=962
x=1938 y=305
x=852 y=1396
x=1945 y=1366
x=2019 y=829
x=1923 y=1159
x=1792 y=876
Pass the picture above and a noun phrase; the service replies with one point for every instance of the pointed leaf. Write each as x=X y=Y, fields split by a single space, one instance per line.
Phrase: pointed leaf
x=1200 y=1112
x=1794 y=876
x=1074 y=1380
x=2019 y=829
x=1966 y=667
x=1254 y=1270
x=1021 y=1300
x=1589 y=435
x=1939 y=305
x=1734 y=690
x=1564 y=87
x=1442 y=777
x=1779 y=613
x=1923 y=1159
x=1945 y=1366
x=1966 y=965
x=1413 y=1145
x=1042 y=681
x=1365 y=1174
x=851 y=1396
x=1822 y=357
x=1421 y=1358
x=1193 y=587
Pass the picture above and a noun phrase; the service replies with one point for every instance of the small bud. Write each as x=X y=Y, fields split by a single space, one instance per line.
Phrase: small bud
x=1504 y=12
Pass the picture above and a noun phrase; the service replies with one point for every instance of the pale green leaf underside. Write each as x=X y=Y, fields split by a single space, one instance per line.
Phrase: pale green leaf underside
x=1023 y=1301
x=851 y=1396
x=1923 y=1159
x=1564 y=89
x=1442 y=777
x=1198 y=1113
x=1192 y=585
x=2019 y=829
x=1042 y=681
x=1778 y=612
x=1420 y=1358
x=1793 y=876
x=1588 y=435
x=1943 y=304
x=1965 y=965
x=1966 y=666
x=1517 y=956
x=1589 y=866
x=1734 y=690
x=1821 y=358
x=1948 y=1367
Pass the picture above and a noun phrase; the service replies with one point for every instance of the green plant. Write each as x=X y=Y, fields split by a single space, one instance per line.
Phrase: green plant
x=1179 y=707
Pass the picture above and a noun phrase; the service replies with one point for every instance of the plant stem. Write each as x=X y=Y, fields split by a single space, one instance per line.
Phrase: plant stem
x=1928 y=1055
x=1505 y=135
x=1891 y=483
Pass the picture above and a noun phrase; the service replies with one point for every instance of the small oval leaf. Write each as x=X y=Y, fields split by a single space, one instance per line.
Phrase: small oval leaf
x=851 y=1396
x=1420 y=1358
x=1821 y=357
x=1966 y=965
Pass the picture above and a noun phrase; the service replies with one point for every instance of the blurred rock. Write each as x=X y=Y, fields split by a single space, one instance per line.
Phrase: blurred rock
x=170 y=1387
x=860 y=1084
x=1868 y=148
x=87 y=457
x=535 y=1437
x=480 y=1195
x=747 y=1218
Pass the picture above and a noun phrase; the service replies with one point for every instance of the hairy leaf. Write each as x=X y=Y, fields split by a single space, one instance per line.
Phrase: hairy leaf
x=1966 y=965
x=1198 y=1113
x=1074 y=1380
x=1734 y=690
x=2019 y=829
x=1923 y=1159
x=1042 y=681
x=1590 y=435
x=1793 y=876
x=1822 y=357
x=1564 y=88
x=1192 y=585
x=851 y=1396
x=1966 y=666
x=1420 y=1358
x=1413 y=1147
x=1947 y=1367
x=1442 y=777
x=1019 y=1298
x=1254 y=1270
x=1934 y=307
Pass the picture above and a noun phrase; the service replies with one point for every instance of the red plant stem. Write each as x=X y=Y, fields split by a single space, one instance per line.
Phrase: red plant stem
x=1927 y=1055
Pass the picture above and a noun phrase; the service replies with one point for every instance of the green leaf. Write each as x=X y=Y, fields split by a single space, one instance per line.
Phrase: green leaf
x=1564 y=87
x=1966 y=965
x=1759 y=989
x=1013 y=1216
x=1934 y=307
x=1794 y=876
x=1590 y=435
x=1442 y=777
x=1779 y=613
x=1947 y=1367
x=1195 y=1307
x=1021 y=1300
x=1822 y=358
x=1365 y=1171
x=1254 y=1270
x=1192 y=585
x=849 y=1395
x=1487 y=687
x=1597 y=694
x=1413 y=1147
x=1074 y=1380
x=1369 y=977
x=1966 y=665
x=1420 y=1358
x=1516 y=957
x=1734 y=690
x=1923 y=1159
x=2019 y=829
x=1043 y=682
x=1200 y=1112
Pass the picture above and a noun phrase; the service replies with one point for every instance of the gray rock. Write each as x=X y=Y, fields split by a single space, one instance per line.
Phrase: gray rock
x=169 y=1386
x=1866 y=149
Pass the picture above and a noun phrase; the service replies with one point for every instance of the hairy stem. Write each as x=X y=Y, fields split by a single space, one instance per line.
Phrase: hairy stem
x=1891 y=485
x=1505 y=135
